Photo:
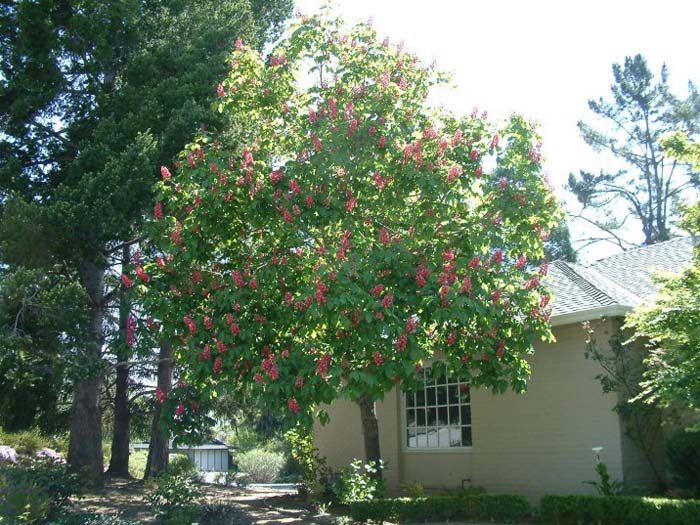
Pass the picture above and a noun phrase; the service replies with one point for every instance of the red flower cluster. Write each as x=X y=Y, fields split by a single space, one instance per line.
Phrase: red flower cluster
x=191 y=325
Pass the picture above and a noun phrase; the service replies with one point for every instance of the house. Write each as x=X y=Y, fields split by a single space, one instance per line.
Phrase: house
x=449 y=436
x=211 y=456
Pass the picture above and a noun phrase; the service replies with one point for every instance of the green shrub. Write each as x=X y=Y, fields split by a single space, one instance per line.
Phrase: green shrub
x=34 y=489
x=683 y=453
x=503 y=508
x=618 y=510
x=174 y=497
x=181 y=465
x=358 y=482
x=30 y=441
x=261 y=466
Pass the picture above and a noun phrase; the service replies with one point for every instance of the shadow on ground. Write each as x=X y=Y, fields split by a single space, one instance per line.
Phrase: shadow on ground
x=235 y=506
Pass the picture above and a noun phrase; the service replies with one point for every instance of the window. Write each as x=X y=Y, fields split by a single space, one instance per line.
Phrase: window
x=438 y=414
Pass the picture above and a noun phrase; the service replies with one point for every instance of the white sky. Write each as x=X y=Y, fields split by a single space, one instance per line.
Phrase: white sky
x=543 y=59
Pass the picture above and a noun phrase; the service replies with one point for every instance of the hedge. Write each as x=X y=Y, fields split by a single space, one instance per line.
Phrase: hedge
x=618 y=510
x=502 y=508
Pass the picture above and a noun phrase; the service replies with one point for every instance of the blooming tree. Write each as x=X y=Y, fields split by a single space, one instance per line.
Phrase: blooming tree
x=349 y=234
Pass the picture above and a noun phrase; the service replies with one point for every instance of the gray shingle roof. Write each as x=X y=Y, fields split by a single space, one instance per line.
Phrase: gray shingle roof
x=621 y=280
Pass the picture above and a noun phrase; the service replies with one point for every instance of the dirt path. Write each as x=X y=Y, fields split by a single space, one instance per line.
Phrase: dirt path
x=233 y=506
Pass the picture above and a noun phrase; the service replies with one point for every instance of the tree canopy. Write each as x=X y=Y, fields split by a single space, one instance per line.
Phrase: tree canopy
x=94 y=97
x=672 y=324
x=347 y=235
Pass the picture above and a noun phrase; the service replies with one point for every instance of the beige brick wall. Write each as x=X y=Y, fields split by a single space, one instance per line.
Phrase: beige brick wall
x=532 y=444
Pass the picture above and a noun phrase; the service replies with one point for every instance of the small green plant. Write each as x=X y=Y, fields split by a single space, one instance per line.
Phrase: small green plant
x=605 y=486
x=359 y=482
x=173 y=498
x=414 y=490
x=261 y=466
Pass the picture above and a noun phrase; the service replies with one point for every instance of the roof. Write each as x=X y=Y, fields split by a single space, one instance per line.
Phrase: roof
x=212 y=445
x=616 y=284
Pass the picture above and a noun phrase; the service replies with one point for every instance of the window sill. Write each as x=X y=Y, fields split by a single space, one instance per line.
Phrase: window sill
x=452 y=450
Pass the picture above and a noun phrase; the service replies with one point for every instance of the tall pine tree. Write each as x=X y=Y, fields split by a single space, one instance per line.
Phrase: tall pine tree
x=644 y=192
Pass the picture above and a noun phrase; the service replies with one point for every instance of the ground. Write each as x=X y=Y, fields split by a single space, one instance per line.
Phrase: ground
x=247 y=506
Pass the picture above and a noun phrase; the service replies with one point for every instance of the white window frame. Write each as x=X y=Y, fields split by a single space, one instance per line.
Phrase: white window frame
x=438 y=449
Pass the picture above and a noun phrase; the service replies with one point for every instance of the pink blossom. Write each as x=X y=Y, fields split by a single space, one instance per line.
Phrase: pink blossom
x=165 y=172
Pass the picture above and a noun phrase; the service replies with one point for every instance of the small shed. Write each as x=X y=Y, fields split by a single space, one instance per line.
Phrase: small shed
x=212 y=456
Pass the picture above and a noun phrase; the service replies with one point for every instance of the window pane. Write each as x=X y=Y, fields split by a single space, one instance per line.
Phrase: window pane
x=452 y=396
x=410 y=417
x=454 y=415
x=410 y=399
x=442 y=415
x=421 y=437
x=466 y=436
x=466 y=414
x=432 y=435
x=411 y=437
x=455 y=436
x=442 y=395
x=431 y=417
x=464 y=393
x=420 y=398
x=443 y=437
x=430 y=396
x=420 y=419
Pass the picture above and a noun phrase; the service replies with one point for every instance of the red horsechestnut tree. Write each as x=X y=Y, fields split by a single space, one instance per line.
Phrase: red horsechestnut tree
x=346 y=232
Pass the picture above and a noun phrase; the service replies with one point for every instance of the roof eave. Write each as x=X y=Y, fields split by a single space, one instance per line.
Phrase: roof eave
x=611 y=310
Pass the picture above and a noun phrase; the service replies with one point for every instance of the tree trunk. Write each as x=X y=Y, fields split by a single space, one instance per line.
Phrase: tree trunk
x=85 y=445
x=370 y=431
x=119 y=461
x=158 y=447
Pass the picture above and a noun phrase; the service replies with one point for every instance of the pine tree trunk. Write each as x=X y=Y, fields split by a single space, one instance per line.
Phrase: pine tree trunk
x=370 y=431
x=158 y=447
x=85 y=445
x=119 y=461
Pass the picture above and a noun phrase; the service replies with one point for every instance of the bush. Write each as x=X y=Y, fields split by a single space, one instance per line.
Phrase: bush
x=683 y=453
x=617 y=510
x=357 y=482
x=181 y=465
x=261 y=466
x=504 y=508
x=31 y=441
x=174 y=497
x=33 y=489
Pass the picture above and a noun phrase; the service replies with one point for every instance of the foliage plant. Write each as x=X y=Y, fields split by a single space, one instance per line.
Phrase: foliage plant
x=34 y=487
x=358 y=482
x=260 y=465
x=174 y=498
x=604 y=485
x=315 y=474
x=349 y=233
x=683 y=454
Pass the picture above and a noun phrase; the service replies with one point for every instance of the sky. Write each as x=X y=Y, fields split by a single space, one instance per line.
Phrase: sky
x=543 y=59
